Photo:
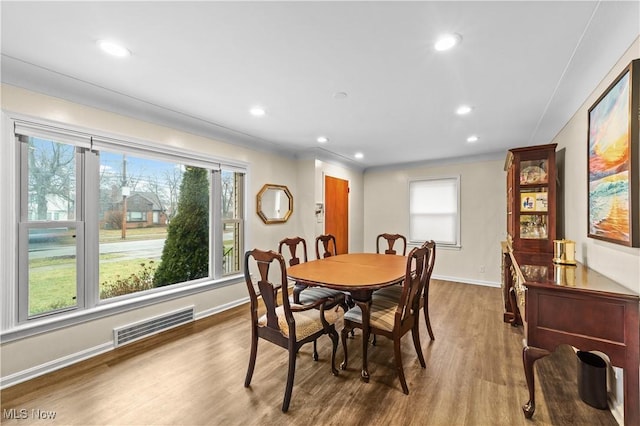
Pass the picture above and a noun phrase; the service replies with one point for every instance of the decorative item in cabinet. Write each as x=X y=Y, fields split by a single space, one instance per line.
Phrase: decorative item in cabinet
x=533 y=172
x=531 y=198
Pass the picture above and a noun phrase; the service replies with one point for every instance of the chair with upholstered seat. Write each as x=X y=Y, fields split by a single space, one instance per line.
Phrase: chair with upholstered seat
x=393 y=292
x=391 y=240
x=394 y=319
x=287 y=325
x=302 y=293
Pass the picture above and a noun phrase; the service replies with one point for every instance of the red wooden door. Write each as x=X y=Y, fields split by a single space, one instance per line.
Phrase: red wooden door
x=336 y=213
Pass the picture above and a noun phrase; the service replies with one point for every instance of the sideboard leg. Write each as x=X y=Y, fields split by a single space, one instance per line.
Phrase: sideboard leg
x=530 y=355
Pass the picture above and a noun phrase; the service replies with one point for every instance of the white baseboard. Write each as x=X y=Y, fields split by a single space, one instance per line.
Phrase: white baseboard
x=56 y=364
x=616 y=396
x=466 y=281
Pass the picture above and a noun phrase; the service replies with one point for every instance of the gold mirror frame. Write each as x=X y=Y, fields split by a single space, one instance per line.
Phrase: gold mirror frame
x=271 y=206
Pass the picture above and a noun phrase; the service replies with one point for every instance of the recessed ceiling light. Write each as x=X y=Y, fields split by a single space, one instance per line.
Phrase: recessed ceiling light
x=340 y=95
x=257 y=111
x=463 y=109
x=447 y=41
x=113 y=48
x=472 y=138
x=322 y=139
x=359 y=155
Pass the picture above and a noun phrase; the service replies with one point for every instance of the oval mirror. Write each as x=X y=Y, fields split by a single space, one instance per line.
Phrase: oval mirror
x=275 y=203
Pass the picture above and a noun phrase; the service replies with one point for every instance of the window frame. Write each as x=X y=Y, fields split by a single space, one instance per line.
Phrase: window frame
x=14 y=325
x=457 y=244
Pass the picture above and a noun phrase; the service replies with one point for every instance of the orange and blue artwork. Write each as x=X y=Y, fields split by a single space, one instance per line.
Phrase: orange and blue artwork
x=609 y=164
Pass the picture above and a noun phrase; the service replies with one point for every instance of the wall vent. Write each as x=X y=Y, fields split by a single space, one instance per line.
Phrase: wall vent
x=151 y=326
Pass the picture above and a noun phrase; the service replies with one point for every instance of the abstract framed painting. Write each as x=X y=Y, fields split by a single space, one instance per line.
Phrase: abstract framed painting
x=613 y=174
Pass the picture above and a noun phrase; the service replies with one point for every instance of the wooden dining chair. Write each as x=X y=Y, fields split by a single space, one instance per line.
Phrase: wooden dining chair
x=287 y=325
x=302 y=293
x=394 y=319
x=329 y=247
x=393 y=292
x=391 y=240
x=293 y=258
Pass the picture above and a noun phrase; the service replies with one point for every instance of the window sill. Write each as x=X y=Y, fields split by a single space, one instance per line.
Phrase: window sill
x=50 y=323
x=438 y=246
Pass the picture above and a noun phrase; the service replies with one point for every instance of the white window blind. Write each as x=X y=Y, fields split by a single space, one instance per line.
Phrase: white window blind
x=434 y=210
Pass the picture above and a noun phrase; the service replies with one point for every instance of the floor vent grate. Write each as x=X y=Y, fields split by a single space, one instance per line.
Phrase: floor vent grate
x=151 y=326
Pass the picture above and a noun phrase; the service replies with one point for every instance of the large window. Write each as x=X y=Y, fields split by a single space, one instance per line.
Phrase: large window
x=102 y=219
x=434 y=210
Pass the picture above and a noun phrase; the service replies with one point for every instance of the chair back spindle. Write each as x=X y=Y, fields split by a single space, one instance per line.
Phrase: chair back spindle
x=329 y=247
x=391 y=241
x=293 y=243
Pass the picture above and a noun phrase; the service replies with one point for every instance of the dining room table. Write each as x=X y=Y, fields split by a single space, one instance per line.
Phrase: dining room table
x=358 y=274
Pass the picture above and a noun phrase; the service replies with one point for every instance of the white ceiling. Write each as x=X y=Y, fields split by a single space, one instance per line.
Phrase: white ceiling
x=525 y=67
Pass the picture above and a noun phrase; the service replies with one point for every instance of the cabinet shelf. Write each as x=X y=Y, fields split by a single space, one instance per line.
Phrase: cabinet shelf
x=532 y=185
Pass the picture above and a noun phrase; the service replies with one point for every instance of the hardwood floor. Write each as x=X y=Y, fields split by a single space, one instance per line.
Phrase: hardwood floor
x=194 y=375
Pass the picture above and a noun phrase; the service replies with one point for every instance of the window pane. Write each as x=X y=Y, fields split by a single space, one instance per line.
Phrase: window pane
x=51 y=181
x=232 y=213
x=154 y=224
x=231 y=242
x=52 y=269
x=229 y=195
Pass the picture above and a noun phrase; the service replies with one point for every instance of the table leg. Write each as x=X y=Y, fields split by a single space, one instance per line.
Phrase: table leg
x=529 y=355
x=366 y=311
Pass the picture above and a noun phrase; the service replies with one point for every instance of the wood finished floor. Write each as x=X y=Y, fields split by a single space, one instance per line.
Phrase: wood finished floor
x=194 y=375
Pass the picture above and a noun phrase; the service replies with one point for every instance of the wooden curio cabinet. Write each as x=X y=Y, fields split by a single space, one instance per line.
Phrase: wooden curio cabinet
x=531 y=198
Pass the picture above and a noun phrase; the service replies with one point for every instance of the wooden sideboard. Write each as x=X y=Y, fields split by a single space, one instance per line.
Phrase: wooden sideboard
x=574 y=305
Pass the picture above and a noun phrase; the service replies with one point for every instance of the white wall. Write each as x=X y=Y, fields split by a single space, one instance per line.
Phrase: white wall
x=622 y=264
x=31 y=356
x=483 y=215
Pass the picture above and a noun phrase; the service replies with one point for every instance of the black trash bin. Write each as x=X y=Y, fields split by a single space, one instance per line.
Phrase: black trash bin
x=592 y=379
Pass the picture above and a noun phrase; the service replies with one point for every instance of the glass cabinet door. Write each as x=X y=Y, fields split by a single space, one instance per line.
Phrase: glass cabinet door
x=531 y=208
